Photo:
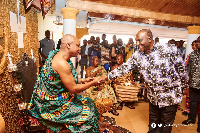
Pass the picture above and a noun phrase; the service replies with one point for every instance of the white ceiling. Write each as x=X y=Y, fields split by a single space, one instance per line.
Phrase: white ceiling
x=131 y=29
x=119 y=27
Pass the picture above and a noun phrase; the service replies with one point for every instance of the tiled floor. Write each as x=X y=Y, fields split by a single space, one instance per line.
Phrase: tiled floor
x=136 y=120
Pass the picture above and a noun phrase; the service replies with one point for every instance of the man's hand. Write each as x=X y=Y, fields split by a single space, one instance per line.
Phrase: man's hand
x=104 y=78
x=185 y=91
x=98 y=80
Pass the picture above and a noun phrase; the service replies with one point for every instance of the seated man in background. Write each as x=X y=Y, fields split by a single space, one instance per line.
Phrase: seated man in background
x=103 y=91
x=121 y=80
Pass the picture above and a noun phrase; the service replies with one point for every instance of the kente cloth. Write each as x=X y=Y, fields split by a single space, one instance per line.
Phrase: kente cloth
x=55 y=107
x=107 y=91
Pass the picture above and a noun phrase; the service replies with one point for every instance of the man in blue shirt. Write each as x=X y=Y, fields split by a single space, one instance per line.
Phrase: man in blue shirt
x=181 y=49
x=163 y=70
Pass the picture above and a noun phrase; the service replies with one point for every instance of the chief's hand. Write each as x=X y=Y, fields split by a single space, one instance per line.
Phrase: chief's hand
x=89 y=79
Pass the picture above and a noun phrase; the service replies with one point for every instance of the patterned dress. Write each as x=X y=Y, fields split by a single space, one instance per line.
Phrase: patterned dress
x=107 y=92
x=55 y=107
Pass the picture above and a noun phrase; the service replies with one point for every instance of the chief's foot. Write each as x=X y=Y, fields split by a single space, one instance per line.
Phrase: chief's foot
x=188 y=121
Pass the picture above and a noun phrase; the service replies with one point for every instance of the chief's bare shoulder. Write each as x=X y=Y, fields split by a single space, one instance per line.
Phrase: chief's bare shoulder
x=60 y=64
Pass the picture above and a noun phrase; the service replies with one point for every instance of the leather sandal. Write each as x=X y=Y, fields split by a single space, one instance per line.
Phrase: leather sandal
x=130 y=105
x=120 y=106
x=114 y=112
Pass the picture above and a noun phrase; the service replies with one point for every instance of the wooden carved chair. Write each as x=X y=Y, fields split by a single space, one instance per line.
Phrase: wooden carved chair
x=26 y=75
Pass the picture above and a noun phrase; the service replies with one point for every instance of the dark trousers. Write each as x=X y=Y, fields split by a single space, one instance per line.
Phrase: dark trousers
x=194 y=95
x=82 y=68
x=159 y=118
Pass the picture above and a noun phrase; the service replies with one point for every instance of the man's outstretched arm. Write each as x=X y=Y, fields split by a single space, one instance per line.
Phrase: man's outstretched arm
x=123 y=69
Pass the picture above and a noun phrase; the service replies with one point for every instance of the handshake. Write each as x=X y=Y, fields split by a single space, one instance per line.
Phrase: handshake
x=97 y=80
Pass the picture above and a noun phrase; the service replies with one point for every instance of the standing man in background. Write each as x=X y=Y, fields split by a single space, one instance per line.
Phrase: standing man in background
x=129 y=49
x=172 y=42
x=94 y=50
x=181 y=49
x=98 y=40
x=46 y=45
x=194 y=84
x=105 y=60
x=156 y=40
x=104 y=41
x=98 y=43
x=84 y=55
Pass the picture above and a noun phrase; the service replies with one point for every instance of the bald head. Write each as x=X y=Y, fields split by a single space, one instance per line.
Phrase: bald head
x=148 y=32
x=68 y=39
x=144 y=39
x=119 y=59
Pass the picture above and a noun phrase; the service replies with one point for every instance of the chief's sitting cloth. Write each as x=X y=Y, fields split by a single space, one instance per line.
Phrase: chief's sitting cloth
x=106 y=92
x=54 y=106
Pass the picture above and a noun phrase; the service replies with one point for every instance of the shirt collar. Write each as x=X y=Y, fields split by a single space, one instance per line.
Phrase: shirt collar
x=152 y=50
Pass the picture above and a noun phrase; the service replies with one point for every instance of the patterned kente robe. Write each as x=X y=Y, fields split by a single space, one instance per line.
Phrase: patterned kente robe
x=54 y=106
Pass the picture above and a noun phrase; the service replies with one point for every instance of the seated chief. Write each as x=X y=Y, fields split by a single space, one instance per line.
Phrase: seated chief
x=55 y=101
x=127 y=78
x=103 y=91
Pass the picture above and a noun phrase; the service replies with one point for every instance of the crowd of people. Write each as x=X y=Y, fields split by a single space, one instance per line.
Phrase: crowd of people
x=56 y=101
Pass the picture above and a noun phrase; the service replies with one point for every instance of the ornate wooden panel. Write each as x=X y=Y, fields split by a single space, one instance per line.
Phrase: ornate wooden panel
x=8 y=100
